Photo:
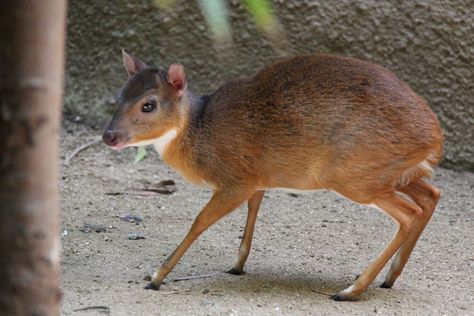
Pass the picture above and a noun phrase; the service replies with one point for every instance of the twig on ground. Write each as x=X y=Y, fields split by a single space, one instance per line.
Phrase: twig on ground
x=162 y=187
x=192 y=277
x=78 y=149
x=102 y=309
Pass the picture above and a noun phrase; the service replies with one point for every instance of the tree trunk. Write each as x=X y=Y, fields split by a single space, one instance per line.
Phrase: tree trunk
x=31 y=70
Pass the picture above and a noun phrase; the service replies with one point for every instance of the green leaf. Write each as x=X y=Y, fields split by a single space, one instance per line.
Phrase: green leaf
x=261 y=11
x=141 y=153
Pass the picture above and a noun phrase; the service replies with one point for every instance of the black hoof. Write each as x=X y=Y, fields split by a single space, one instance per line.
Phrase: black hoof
x=151 y=286
x=235 y=272
x=385 y=285
x=342 y=298
x=338 y=298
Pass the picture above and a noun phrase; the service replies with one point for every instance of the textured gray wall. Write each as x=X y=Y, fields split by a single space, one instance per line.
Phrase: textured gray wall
x=429 y=44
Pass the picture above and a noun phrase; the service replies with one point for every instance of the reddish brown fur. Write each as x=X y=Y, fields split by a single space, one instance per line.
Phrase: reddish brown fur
x=308 y=122
x=354 y=130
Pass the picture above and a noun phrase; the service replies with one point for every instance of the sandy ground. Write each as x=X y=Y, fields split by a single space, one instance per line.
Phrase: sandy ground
x=303 y=246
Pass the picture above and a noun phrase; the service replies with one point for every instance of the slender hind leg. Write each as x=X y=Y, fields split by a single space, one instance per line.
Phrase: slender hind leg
x=406 y=214
x=244 y=249
x=426 y=196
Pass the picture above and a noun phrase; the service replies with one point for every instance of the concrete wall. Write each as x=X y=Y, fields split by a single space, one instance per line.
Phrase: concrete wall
x=429 y=44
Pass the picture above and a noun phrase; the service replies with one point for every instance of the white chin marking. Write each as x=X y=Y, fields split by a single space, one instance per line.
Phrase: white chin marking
x=160 y=143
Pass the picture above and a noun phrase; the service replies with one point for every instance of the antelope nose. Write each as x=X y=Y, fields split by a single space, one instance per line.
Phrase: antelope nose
x=110 y=137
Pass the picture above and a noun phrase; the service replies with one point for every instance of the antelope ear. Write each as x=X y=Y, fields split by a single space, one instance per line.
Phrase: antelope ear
x=177 y=78
x=132 y=64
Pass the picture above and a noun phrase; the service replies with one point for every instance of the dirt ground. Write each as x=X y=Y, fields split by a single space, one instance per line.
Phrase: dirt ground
x=303 y=246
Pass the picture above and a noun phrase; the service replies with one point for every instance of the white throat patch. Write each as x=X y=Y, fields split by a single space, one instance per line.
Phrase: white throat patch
x=162 y=142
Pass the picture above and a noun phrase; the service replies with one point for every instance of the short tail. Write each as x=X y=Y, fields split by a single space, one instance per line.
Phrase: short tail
x=423 y=169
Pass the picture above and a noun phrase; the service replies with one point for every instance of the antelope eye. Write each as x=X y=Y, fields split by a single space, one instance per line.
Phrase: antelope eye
x=149 y=106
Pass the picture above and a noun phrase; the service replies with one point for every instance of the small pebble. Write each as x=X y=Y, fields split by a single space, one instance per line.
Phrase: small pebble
x=131 y=218
x=87 y=228
x=135 y=236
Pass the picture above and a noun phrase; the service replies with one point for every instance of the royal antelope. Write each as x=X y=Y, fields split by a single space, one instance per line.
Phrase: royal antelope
x=304 y=123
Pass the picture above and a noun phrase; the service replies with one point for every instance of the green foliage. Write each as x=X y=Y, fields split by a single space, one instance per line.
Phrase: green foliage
x=216 y=14
x=217 y=18
x=141 y=153
x=261 y=12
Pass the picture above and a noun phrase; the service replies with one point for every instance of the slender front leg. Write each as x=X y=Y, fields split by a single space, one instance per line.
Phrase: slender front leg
x=244 y=249
x=221 y=204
